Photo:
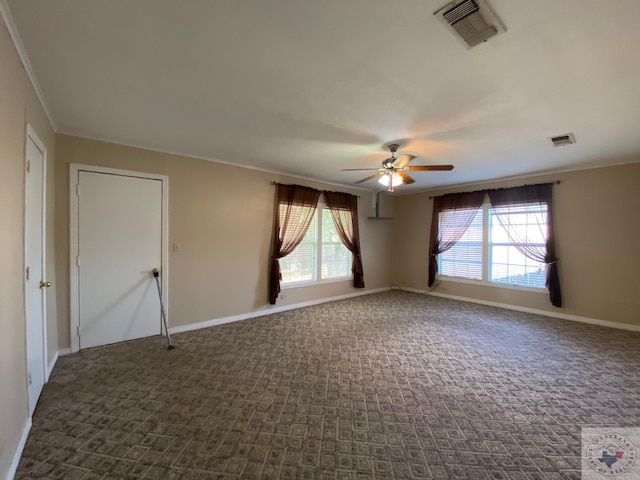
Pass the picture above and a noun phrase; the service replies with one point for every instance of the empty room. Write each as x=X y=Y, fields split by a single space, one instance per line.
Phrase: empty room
x=319 y=240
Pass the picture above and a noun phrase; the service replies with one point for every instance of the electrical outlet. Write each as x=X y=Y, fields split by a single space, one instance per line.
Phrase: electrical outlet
x=177 y=246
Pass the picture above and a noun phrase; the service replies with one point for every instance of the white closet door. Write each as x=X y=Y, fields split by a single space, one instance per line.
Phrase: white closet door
x=119 y=244
x=34 y=262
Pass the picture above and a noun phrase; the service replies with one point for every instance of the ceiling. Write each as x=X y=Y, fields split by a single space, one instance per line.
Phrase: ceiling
x=310 y=87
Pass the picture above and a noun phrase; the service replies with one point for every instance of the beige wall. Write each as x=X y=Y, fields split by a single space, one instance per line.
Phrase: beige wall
x=18 y=105
x=597 y=229
x=223 y=218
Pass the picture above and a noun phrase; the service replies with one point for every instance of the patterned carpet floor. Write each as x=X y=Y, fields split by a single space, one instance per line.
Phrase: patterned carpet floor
x=393 y=385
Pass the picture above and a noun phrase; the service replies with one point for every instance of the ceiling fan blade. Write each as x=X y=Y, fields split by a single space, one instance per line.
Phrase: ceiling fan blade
x=403 y=160
x=421 y=168
x=406 y=178
x=357 y=169
x=370 y=177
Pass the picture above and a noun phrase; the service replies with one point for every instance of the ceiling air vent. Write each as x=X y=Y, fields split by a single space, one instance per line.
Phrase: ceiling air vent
x=563 y=140
x=471 y=21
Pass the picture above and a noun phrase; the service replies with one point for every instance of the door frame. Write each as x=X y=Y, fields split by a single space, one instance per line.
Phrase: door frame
x=33 y=136
x=74 y=176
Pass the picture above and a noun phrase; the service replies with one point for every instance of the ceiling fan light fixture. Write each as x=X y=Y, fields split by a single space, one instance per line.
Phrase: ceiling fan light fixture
x=395 y=180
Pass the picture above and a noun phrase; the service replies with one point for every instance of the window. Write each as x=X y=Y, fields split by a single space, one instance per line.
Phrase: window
x=320 y=256
x=487 y=253
x=507 y=264
x=464 y=259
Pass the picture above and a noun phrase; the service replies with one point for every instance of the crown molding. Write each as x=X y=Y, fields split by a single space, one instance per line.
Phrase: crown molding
x=142 y=146
x=24 y=58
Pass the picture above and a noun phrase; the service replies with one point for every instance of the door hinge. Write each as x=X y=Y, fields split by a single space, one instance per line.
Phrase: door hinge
x=78 y=331
x=29 y=378
x=77 y=189
x=77 y=260
x=28 y=166
x=27 y=273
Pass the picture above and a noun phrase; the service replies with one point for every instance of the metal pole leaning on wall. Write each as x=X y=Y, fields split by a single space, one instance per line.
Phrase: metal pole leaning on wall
x=156 y=274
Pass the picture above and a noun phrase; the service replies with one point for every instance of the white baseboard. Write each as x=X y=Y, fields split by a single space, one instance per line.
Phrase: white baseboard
x=64 y=351
x=16 y=457
x=546 y=313
x=269 y=310
x=52 y=364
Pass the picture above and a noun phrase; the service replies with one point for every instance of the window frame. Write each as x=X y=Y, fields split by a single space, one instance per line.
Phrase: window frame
x=486 y=260
x=317 y=217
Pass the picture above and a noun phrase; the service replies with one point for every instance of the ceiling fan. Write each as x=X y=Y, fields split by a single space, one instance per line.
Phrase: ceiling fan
x=393 y=171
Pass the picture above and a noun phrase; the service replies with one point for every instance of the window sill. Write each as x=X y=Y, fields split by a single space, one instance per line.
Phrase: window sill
x=482 y=283
x=315 y=283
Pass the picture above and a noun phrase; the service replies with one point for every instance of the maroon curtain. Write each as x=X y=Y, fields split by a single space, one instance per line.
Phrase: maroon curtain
x=295 y=206
x=344 y=211
x=459 y=210
x=541 y=194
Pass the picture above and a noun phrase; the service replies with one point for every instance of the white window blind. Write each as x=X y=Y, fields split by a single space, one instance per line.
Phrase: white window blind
x=486 y=242
x=464 y=259
x=300 y=265
x=507 y=264
x=336 y=258
x=320 y=256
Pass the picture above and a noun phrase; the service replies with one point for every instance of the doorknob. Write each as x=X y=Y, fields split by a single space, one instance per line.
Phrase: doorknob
x=45 y=284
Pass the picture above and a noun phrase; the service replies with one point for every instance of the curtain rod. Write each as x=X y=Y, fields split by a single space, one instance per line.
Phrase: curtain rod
x=557 y=182
x=278 y=183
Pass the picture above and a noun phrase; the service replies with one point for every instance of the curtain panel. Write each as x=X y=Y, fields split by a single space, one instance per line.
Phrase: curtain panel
x=504 y=198
x=460 y=210
x=295 y=207
x=344 y=211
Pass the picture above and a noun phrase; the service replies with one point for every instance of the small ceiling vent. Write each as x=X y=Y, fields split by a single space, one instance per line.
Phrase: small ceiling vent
x=471 y=21
x=563 y=140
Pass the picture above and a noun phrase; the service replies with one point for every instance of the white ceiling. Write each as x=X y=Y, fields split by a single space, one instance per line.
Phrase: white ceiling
x=311 y=87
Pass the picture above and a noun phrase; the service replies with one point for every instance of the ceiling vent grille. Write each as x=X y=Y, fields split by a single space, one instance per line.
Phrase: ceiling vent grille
x=563 y=140
x=472 y=21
